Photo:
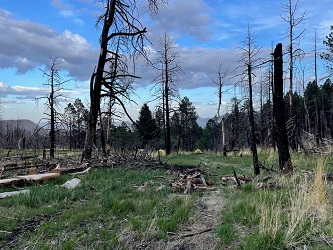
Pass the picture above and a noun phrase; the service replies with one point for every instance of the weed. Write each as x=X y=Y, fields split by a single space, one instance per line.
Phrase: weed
x=244 y=212
x=226 y=233
x=256 y=241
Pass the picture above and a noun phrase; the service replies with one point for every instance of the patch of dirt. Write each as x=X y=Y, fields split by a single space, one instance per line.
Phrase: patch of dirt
x=198 y=233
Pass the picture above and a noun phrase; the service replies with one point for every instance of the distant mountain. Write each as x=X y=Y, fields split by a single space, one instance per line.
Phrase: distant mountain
x=202 y=121
x=22 y=124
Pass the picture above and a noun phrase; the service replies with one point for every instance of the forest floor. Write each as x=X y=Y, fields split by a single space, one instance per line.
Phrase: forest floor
x=132 y=207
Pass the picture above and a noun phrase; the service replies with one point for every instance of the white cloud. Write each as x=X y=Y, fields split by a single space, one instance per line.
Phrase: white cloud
x=26 y=45
x=182 y=18
x=17 y=93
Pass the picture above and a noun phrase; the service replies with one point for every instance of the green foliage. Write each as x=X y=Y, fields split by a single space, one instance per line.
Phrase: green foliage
x=328 y=55
x=184 y=127
x=147 y=126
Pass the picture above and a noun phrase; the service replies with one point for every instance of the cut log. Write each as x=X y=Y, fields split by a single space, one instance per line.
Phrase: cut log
x=39 y=177
x=8 y=194
x=11 y=182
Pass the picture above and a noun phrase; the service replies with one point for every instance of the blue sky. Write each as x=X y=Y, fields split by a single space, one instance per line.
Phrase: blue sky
x=205 y=32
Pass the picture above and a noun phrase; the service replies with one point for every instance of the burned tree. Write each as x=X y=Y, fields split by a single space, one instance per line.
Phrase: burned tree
x=168 y=69
x=122 y=38
x=248 y=58
x=328 y=54
x=294 y=19
x=219 y=83
x=52 y=104
x=279 y=116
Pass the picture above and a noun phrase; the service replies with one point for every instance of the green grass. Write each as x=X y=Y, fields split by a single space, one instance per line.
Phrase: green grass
x=226 y=233
x=108 y=203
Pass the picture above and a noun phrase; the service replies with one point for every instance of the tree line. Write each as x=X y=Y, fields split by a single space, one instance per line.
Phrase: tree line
x=308 y=113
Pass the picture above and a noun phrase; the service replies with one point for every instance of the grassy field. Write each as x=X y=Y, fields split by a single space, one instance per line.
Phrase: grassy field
x=116 y=208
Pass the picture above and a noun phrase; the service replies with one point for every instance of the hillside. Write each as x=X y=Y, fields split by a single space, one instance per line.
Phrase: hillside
x=22 y=124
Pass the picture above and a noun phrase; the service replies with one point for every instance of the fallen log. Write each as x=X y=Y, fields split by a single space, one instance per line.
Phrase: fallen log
x=83 y=168
x=39 y=177
x=8 y=194
x=11 y=182
x=22 y=179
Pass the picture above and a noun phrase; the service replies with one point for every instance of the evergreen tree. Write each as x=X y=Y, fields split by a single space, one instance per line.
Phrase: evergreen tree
x=328 y=56
x=184 y=125
x=146 y=125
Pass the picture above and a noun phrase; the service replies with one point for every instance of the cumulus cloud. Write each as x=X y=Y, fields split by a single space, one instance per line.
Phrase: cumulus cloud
x=67 y=11
x=199 y=66
x=25 y=45
x=19 y=92
x=183 y=18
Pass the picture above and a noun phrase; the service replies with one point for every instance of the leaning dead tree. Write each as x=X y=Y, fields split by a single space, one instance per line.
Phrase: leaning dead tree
x=121 y=40
x=279 y=113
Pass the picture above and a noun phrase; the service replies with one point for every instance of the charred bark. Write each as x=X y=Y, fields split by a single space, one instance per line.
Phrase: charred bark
x=279 y=113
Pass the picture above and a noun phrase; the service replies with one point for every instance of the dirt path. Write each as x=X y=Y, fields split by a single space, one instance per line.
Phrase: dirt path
x=198 y=233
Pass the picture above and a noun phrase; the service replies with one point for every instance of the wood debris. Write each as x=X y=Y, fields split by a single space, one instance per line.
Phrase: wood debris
x=22 y=179
x=39 y=177
x=190 y=182
x=238 y=180
x=8 y=194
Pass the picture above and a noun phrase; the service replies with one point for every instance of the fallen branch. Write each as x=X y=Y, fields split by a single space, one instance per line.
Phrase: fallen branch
x=197 y=233
x=235 y=175
x=5 y=232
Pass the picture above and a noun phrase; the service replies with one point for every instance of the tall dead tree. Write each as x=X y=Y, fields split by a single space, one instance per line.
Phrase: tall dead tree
x=219 y=83
x=168 y=68
x=279 y=115
x=294 y=19
x=249 y=57
x=52 y=104
x=318 y=113
x=122 y=38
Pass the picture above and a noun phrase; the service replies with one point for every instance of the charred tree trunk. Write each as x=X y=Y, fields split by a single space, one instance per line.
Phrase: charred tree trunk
x=167 y=113
x=256 y=165
x=52 y=116
x=96 y=82
x=279 y=113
